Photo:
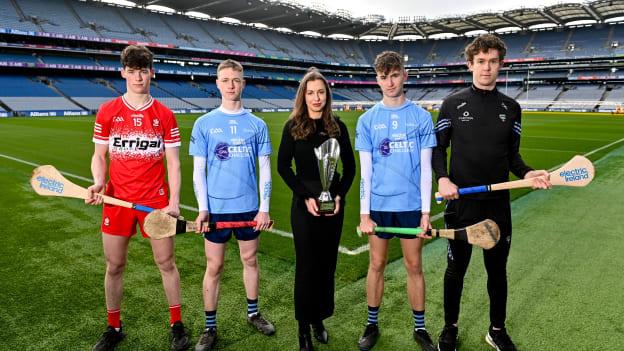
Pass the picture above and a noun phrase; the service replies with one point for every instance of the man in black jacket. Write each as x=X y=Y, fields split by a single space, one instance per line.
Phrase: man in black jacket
x=483 y=128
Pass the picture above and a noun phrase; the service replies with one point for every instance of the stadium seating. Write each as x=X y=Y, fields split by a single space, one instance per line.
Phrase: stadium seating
x=99 y=20
x=13 y=57
x=579 y=97
x=55 y=17
x=187 y=86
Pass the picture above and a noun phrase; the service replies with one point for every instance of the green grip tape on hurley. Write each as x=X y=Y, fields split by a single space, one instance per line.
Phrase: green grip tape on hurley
x=395 y=230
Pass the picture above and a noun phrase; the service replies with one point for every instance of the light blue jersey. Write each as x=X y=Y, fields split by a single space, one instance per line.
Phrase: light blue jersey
x=231 y=144
x=395 y=136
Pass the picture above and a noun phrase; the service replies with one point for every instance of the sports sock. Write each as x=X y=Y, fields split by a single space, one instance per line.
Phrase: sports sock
x=114 y=318
x=419 y=319
x=372 y=315
x=175 y=313
x=211 y=319
x=252 y=307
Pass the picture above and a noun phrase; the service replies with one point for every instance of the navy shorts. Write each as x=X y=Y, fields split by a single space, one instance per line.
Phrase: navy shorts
x=406 y=219
x=224 y=235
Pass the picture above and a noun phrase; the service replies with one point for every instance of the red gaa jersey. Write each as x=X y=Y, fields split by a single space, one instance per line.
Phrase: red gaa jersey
x=136 y=140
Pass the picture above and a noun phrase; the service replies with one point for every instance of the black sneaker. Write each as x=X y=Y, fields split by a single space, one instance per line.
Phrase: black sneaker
x=109 y=339
x=180 y=340
x=369 y=338
x=448 y=338
x=207 y=340
x=500 y=340
x=320 y=333
x=424 y=340
x=263 y=326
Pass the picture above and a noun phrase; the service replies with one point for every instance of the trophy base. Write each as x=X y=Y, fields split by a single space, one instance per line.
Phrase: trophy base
x=326 y=207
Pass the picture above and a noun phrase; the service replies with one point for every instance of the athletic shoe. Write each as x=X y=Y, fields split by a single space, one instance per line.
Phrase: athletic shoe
x=369 y=338
x=207 y=340
x=320 y=333
x=448 y=338
x=424 y=340
x=109 y=339
x=180 y=340
x=500 y=340
x=263 y=326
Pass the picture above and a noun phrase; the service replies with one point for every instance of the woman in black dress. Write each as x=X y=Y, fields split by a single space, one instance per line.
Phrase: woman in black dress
x=316 y=236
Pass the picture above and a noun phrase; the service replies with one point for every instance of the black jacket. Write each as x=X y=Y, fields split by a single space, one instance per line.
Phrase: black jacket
x=483 y=129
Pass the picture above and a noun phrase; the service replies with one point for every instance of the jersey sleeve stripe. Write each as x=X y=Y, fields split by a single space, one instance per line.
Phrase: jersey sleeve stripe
x=175 y=144
x=100 y=141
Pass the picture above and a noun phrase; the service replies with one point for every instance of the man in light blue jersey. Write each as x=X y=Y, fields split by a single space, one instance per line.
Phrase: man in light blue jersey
x=225 y=144
x=395 y=140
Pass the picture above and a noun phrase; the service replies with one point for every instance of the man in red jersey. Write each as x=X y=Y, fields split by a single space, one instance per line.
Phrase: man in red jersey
x=137 y=132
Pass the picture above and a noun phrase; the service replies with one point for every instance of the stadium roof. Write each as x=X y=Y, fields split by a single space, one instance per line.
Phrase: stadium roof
x=276 y=14
x=287 y=14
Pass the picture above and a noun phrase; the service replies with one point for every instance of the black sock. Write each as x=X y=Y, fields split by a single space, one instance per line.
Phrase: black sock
x=304 y=328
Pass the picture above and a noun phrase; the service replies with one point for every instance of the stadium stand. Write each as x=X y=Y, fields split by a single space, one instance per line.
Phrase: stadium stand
x=561 y=68
x=583 y=97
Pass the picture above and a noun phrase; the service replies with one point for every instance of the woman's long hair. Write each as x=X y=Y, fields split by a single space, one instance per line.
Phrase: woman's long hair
x=302 y=125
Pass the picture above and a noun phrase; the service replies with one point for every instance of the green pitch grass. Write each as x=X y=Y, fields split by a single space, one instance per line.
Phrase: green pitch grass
x=564 y=289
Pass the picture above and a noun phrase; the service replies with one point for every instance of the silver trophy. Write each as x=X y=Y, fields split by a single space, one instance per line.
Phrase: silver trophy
x=327 y=155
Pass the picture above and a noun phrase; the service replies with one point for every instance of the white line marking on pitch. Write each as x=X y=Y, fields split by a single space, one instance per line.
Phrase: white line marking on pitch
x=282 y=233
x=286 y=234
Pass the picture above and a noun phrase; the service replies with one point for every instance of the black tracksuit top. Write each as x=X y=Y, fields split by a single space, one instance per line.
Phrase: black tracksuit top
x=483 y=129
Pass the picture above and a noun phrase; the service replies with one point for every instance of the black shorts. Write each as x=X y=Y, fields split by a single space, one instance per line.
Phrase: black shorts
x=405 y=219
x=461 y=213
x=224 y=235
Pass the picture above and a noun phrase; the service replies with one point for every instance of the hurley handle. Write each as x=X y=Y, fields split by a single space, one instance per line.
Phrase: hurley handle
x=465 y=191
x=395 y=230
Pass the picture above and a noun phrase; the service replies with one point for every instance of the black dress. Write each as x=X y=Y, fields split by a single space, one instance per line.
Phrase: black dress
x=316 y=238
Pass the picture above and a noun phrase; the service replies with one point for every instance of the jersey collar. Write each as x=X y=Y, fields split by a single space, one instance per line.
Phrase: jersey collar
x=483 y=91
x=395 y=108
x=149 y=103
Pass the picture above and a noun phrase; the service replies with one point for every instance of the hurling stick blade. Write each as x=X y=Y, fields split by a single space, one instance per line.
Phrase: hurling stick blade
x=579 y=171
x=484 y=234
x=48 y=181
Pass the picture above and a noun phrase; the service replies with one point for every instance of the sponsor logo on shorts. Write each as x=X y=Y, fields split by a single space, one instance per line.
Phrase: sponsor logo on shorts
x=574 y=175
x=106 y=221
x=50 y=184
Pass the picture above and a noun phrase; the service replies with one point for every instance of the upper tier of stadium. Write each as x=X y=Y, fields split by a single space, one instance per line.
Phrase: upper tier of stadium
x=96 y=20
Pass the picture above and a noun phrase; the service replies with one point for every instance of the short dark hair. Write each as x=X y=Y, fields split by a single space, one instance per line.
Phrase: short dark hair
x=484 y=43
x=388 y=61
x=136 y=56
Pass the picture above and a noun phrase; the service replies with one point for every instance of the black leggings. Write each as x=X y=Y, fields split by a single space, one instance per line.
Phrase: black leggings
x=464 y=212
x=316 y=250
